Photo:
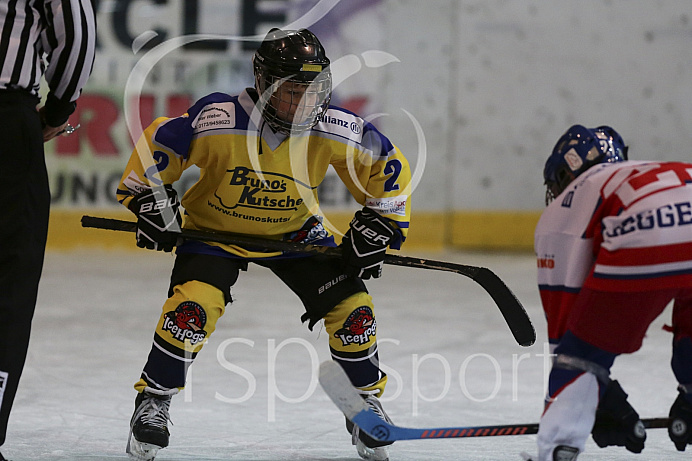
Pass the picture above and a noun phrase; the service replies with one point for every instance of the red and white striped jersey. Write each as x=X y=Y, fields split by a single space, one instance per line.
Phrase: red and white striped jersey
x=618 y=227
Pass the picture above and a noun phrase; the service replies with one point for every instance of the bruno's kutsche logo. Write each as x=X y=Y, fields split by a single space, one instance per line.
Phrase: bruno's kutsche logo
x=260 y=190
x=358 y=328
x=186 y=322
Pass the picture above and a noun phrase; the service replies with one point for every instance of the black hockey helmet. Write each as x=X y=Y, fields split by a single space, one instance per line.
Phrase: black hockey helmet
x=293 y=79
x=576 y=151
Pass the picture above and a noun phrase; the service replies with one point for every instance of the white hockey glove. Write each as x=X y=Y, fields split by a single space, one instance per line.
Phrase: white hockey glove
x=365 y=244
x=158 y=218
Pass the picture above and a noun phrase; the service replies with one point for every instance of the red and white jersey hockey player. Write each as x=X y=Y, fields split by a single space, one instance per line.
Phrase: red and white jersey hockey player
x=614 y=247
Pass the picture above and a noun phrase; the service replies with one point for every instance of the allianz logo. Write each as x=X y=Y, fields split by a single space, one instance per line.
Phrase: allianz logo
x=353 y=126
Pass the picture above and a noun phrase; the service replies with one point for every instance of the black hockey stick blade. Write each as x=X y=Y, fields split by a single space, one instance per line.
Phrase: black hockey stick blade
x=338 y=387
x=513 y=312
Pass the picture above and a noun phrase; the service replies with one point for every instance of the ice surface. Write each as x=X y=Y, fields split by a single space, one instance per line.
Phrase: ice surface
x=253 y=394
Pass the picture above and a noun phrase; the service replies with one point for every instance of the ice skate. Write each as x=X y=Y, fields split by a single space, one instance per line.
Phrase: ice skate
x=367 y=447
x=561 y=453
x=565 y=453
x=149 y=424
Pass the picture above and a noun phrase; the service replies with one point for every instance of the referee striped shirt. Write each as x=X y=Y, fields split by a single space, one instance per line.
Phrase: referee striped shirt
x=55 y=38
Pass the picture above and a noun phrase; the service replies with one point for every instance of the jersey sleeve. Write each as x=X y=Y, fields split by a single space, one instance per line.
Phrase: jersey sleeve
x=69 y=39
x=563 y=262
x=162 y=152
x=379 y=177
x=152 y=163
x=564 y=246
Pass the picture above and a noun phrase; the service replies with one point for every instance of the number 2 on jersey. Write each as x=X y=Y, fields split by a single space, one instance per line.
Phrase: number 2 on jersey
x=393 y=168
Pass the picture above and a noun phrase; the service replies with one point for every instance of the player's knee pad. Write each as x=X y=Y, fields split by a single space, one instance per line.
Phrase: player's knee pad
x=352 y=330
x=189 y=316
x=351 y=324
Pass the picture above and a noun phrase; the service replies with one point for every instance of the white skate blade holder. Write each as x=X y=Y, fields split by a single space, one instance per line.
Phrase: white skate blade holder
x=139 y=451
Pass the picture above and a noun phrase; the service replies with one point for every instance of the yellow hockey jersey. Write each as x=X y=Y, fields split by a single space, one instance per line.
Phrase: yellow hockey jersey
x=257 y=182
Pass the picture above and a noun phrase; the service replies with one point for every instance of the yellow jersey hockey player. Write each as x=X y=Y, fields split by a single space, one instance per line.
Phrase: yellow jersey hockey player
x=261 y=155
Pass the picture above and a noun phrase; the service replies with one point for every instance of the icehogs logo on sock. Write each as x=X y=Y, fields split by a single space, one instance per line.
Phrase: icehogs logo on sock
x=358 y=328
x=186 y=322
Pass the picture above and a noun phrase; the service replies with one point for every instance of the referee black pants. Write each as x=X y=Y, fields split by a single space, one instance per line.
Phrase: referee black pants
x=24 y=209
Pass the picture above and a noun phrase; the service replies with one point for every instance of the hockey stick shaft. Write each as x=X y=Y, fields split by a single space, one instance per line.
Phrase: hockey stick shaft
x=394 y=432
x=337 y=386
x=513 y=312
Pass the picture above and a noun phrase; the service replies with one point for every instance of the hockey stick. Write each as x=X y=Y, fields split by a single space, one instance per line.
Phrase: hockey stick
x=513 y=312
x=337 y=386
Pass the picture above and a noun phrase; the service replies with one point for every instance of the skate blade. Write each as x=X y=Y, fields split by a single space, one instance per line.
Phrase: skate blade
x=372 y=454
x=139 y=451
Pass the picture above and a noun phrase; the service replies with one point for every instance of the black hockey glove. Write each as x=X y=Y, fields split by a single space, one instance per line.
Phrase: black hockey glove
x=680 y=424
x=617 y=423
x=158 y=218
x=365 y=244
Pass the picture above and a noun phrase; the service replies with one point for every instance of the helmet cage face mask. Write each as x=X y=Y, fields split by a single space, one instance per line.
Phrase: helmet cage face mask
x=578 y=150
x=292 y=104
